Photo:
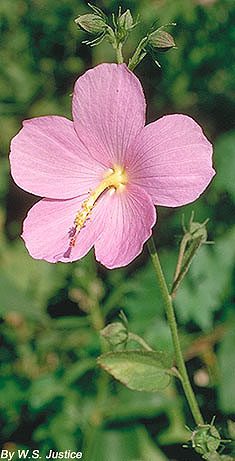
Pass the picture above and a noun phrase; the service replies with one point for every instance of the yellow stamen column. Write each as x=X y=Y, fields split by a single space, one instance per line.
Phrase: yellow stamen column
x=115 y=178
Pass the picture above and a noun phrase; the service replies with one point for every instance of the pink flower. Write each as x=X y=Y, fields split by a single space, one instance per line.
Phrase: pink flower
x=103 y=173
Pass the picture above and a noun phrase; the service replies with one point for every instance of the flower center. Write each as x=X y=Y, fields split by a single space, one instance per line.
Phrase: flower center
x=115 y=179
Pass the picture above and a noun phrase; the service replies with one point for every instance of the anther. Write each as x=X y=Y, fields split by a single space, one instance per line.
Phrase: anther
x=114 y=180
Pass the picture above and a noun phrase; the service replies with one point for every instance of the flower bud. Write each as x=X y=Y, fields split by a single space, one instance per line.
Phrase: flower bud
x=198 y=230
x=91 y=23
x=205 y=439
x=161 y=39
x=115 y=333
x=126 y=20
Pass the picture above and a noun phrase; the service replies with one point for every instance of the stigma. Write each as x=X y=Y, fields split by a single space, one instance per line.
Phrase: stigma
x=114 y=180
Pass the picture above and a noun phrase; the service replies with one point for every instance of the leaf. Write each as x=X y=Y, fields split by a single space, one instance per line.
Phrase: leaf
x=129 y=404
x=206 y=287
x=113 y=445
x=138 y=370
x=77 y=370
x=128 y=444
x=25 y=284
x=192 y=240
x=44 y=390
x=61 y=426
x=148 y=449
x=10 y=406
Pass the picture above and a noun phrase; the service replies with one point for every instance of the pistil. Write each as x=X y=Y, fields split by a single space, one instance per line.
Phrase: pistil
x=115 y=179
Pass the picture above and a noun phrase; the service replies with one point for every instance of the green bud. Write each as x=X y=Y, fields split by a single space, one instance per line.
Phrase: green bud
x=198 y=230
x=213 y=457
x=194 y=237
x=91 y=23
x=115 y=333
x=161 y=39
x=126 y=20
x=205 y=439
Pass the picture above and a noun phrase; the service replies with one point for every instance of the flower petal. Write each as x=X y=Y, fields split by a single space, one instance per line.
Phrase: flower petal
x=119 y=225
x=49 y=160
x=47 y=228
x=172 y=160
x=128 y=219
x=108 y=111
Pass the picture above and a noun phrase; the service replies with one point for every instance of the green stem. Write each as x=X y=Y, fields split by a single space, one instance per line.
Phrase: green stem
x=120 y=59
x=93 y=428
x=174 y=332
x=180 y=258
x=138 y=55
x=177 y=280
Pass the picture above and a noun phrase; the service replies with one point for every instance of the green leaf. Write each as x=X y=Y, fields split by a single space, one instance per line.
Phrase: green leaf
x=44 y=390
x=147 y=447
x=128 y=444
x=138 y=370
x=133 y=404
x=25 y=284
x=113 y=445
x=78 y=369
x=193 y=239
x=206 y=287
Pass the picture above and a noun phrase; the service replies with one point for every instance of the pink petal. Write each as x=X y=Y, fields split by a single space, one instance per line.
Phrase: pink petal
x=119 y=225
x=172 y=160
x=128 y=219
x=47 y=229
x=108 y=111
x=48 y=159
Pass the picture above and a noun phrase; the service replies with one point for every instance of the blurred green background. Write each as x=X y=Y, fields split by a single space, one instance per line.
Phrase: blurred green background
x=53 y=396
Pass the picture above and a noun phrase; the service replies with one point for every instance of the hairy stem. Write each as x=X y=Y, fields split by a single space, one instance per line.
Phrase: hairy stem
x=120 y=59
x=170 y=313
x=92 y=429
x=138 y=55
